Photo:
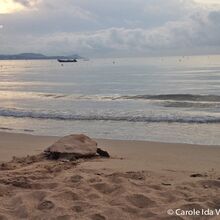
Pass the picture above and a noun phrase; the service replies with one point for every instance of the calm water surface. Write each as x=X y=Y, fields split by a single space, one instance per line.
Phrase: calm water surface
x=172 y=99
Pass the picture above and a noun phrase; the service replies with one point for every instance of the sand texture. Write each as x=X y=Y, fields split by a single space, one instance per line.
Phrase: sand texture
x=33 y=187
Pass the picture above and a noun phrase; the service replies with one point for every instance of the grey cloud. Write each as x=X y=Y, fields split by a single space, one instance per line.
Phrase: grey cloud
x=74 y=15
x=180 y=35
x=26 y=3
x=113 y=28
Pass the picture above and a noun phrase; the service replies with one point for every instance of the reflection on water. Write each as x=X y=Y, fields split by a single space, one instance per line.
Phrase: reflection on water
x=174 y=99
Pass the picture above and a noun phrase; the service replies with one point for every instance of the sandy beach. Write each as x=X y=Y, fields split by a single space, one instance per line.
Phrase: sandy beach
x=110 y=110
x=141 y=180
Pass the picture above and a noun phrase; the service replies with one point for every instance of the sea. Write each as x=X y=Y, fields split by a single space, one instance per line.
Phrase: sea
x=166 y=99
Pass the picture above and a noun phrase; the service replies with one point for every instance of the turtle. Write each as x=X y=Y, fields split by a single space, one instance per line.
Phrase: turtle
x=74 y=146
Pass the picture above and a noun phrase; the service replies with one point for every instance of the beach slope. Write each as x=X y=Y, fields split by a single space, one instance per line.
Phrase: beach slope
x=141 y=180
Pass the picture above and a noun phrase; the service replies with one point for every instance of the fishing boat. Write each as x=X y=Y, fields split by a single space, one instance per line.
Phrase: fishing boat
x=67 y=60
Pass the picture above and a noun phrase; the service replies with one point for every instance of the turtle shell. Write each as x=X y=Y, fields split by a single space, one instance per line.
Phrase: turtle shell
x=78 y=145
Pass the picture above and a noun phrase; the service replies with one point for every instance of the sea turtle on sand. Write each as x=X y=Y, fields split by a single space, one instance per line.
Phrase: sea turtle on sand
x=74 y=146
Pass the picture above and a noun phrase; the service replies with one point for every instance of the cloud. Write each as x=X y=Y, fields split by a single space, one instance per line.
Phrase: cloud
x=27 y=3
x=193 y=32
x=113 y=28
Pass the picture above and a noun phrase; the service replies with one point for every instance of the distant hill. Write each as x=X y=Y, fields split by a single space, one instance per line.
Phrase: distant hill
x=36 y=56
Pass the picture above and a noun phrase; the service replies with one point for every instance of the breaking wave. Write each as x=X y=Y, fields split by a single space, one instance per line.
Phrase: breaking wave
x=111 y=97
x=20 y=113
x=165 y=97
x=177 y=97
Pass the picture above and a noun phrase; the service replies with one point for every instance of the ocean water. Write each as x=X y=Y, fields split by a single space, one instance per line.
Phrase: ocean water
x=170 y=99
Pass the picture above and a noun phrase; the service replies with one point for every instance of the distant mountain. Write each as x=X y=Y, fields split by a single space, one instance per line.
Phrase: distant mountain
x=36 y=56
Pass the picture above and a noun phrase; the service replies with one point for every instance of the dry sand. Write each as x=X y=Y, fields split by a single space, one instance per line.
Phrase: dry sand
x=142 y=181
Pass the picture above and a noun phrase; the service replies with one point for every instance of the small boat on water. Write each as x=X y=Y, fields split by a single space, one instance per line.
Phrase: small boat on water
x=67 y=60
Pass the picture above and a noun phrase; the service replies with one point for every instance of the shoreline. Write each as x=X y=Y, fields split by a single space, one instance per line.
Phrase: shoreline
x=110 y=139
x=135 y=155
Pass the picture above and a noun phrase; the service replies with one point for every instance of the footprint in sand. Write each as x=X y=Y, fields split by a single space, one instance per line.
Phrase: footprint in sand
x=98 y=217
x=140 y=201
x=46 y=205
x=148 y=214
x=155 y=187
x=81 y=207
x=66 y=195
x=77 y=208
x=93 y=196
x=115 y=178
x=64 y=217
x=105 y=188
x=95 y=180
x=168 y=196
x=76 y=178
x=130 y=209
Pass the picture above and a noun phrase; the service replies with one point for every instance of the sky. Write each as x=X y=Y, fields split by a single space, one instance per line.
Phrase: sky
x=110 y=28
